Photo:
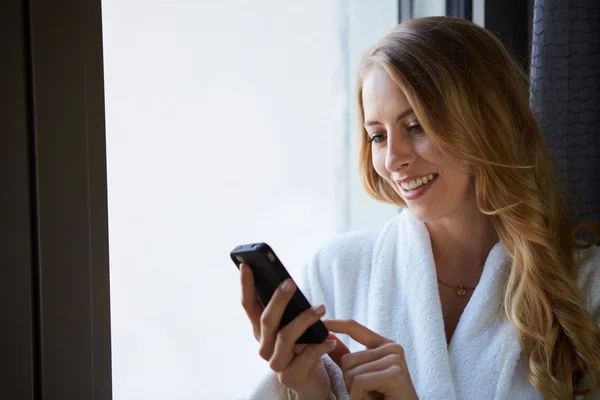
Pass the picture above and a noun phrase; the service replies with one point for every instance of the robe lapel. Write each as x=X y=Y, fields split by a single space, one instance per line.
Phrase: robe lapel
x=404 y=305
x=484 y=350
x=425 y=310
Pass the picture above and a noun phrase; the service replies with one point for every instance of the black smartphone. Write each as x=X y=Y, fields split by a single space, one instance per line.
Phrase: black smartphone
x=269 y=273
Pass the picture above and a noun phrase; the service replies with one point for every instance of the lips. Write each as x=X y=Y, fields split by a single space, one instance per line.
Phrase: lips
x=412 y=194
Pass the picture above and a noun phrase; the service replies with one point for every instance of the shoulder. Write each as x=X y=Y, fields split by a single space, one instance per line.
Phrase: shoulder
x=589 y=279
x=344 y=259
x=355 y=246
x=336 y=271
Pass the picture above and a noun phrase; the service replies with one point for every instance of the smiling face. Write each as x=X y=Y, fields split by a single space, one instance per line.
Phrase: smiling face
x=431 y=185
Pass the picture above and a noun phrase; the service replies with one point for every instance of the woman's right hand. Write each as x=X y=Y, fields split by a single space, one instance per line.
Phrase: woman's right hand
x=298 y=367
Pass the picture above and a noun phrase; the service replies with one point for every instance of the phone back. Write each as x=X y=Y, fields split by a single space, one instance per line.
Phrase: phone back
x=269 y=273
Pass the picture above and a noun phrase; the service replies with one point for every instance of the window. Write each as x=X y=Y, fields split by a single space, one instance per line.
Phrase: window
x=426 y=8
x=226 y=123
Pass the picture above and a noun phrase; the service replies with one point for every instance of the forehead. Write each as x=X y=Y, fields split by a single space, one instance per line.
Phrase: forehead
x=380 y=94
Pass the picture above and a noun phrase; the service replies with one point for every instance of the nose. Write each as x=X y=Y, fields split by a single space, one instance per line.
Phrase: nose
x=400 y=153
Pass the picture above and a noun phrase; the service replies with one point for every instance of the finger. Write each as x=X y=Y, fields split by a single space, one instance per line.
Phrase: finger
x=287 y=336
x=351 y=360
x=339 y=351
x=271 y=317
x=307 y=358
x=379 y=381
x=381 y=364
x=299 y=347
x=356 y=331
x=250 y=303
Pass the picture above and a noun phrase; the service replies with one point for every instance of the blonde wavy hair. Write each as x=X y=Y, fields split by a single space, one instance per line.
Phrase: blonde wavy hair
x=472 y=99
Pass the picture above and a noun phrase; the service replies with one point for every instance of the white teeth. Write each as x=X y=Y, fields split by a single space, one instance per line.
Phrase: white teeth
x=416 y=183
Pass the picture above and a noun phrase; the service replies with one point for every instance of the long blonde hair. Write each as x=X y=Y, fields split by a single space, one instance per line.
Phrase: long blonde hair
x=472 y=99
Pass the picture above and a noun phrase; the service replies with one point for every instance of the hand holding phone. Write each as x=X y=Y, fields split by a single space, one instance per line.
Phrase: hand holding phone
x=285 y=320
x=269 y=273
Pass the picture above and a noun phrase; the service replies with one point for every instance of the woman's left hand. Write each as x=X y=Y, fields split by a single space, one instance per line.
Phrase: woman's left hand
x=378 y=372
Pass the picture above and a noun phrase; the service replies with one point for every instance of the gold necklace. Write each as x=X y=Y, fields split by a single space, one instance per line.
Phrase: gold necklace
x=460 y=289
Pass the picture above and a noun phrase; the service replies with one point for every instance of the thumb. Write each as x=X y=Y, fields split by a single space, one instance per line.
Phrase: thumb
x=340 y=349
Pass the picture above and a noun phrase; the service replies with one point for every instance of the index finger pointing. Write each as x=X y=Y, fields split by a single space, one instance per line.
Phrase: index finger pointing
x=356 y=331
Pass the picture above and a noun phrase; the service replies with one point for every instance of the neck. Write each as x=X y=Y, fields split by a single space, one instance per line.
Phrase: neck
x=461 y=243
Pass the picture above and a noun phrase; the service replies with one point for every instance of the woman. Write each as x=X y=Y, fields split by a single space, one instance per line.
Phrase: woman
x=477 y=290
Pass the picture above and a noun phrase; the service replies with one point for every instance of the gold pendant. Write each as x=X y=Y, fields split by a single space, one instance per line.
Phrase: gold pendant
x=461 y=291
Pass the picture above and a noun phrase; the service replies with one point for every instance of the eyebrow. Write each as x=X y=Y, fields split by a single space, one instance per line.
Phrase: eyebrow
x=403 y=114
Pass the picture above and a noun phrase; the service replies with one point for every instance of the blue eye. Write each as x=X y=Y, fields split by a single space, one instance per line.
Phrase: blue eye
x=377 y=138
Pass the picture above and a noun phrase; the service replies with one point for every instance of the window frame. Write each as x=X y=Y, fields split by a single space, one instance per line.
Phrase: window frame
x=56 y=339
x=510 y=20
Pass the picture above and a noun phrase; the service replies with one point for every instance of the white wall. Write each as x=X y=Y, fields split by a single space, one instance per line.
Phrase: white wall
x=227 y=123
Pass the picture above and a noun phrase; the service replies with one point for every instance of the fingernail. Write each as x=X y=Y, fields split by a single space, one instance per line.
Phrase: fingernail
x=287 y=285
x=319 y=310
x=330 y=344
x=242 y=270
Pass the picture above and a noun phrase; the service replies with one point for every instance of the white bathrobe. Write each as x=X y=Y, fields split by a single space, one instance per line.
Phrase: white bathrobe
x=385 y=279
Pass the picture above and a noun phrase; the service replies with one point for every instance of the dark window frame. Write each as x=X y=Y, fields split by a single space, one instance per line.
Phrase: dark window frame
x=460 y=8
x=510 y=20
x=55 y=273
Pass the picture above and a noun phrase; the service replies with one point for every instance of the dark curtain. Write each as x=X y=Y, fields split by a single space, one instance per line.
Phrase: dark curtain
x=565 y=77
